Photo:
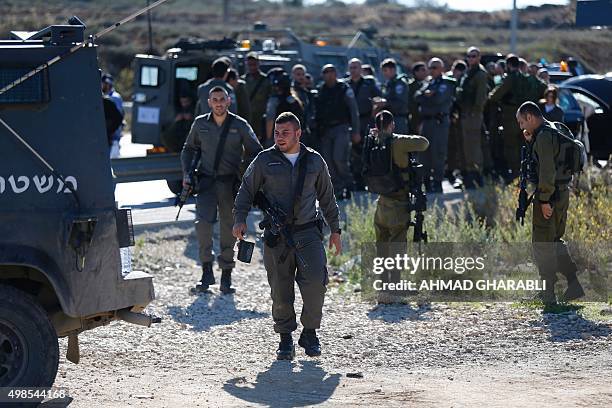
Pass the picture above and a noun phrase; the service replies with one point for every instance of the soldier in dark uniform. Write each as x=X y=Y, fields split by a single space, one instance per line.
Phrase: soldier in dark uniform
x=395 y=92
x=455 y=164
x=337 y=119
x=435 y=101
x=419 y=75
x=511 y=93
x=220 y=166
x=550 y=204
x=277 y=172
x=365 y=90
x=258 y=88
x=283 y=99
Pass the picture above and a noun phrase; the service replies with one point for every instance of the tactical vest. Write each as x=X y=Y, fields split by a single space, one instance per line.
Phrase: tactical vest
x=290 y=104
x=571 y=158
x=379 y=172
x=520 y=89
x=331 y=109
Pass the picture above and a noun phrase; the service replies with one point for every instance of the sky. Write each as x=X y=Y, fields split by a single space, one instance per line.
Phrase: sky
x=477 y=5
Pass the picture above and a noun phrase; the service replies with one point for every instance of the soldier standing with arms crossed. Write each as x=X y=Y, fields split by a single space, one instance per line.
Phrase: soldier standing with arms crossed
x=293 y=177
x=550 y=204
x=365 y=90
x=337 y=119
x=395 y=91
x=258 y=88
x=435 y=102
x=220 y=137
x=511 y=93
x=419 y=74
x=471 y=98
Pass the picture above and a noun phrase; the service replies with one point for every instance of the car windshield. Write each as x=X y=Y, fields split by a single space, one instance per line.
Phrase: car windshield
x=567 y=101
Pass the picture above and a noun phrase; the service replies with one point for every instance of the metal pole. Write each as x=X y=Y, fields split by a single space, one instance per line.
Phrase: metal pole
x=513 y=27
x=225 y=11
x=150 y=30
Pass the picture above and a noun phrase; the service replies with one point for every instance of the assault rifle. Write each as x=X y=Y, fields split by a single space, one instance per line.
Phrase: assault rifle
x=276 y=224
x=417 y=198
x=181 y=198
x=523 y=200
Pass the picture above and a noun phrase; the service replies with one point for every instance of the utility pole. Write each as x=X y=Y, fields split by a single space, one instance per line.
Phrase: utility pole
x=513 y=27
x=150 y=30
x=225 y=11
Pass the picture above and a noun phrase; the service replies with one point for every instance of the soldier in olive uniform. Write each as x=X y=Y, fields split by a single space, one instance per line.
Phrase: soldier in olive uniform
x=392 y=210
x=220 y=69
x=306 y=96
x=277 y=172
x=218 y=174
x=510 y=94
x=365 y=90
x=337 y=119
x=419 y=75
x=258 y=88
x=395 y=92
x=435 y=101
x=243 y=106
x=471 y=99
x=550 y=204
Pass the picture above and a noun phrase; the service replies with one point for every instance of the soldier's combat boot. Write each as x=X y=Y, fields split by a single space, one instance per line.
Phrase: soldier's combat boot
x=226 y=282
x=310 y=342
x=547 y=297
x=574 y=291
x=286 y=349
x=208 y=278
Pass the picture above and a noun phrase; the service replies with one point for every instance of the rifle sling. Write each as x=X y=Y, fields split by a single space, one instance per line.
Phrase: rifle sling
x=257 y=86
x=299 y=187
x=221 y=143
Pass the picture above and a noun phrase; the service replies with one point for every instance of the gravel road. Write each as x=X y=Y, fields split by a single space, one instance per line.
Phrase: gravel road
x=213 y=350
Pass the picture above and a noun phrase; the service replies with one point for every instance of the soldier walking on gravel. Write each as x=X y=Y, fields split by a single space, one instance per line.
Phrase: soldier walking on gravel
x=292 y=177
x=550 y=202
x=220 y=137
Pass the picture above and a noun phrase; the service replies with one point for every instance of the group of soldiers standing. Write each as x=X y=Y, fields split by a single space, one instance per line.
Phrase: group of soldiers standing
x=467 y=113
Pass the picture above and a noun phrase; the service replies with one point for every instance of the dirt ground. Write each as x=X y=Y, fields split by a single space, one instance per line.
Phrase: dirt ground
x=213 y=350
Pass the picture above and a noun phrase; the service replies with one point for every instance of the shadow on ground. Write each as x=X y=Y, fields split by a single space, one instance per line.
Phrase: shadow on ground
x=563 y=324
x=281 y=385
x=397 y=312
x=208 y=310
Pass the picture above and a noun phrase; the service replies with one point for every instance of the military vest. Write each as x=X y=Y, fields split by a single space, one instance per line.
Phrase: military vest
x=331 y=109
x=289 y=104
x=521 y=89
x=380 y=174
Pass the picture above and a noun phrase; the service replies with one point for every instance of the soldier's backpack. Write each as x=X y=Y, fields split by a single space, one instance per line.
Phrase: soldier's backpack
x=572 y=154
x=378 y=171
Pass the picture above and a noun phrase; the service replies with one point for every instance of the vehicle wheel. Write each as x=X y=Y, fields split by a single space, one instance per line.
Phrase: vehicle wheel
x=176 y=186
x=29 y=351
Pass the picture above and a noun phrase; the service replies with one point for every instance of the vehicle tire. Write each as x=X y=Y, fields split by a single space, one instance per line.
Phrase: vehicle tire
x=29 y=351
x=176 y=186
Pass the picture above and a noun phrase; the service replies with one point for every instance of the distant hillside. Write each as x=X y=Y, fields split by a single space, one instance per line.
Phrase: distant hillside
x=416 y=33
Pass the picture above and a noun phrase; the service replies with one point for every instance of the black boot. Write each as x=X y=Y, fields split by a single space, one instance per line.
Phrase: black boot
x=574 y=291
x=226 y=282
x=207 y=278
x=286 y=349
x=310 y=342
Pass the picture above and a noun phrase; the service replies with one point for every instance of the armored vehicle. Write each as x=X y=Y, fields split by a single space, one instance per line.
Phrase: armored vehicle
x=64 y=244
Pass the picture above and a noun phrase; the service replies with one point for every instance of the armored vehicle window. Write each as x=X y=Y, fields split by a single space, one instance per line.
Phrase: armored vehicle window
x=188 y=73
x=149 y=76
x=34 y=90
